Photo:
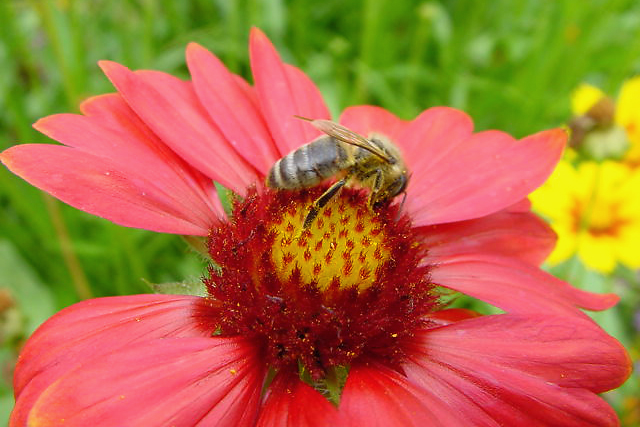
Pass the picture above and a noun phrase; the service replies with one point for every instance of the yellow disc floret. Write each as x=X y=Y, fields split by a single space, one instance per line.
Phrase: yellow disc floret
x=343 y=247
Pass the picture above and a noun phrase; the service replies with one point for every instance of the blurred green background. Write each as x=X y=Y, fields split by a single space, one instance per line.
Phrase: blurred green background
x=511 y=65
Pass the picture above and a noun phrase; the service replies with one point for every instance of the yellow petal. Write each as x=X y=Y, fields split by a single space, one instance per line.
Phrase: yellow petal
x=628 y=245
x=628 y=105
x=628 y=115
x=566 y=243
x=585 y=182
x=597 y=253
x=555 y=199
x=585 y=97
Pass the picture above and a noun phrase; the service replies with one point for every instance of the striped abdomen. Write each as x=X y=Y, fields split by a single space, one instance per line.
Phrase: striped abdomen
x=309 y=165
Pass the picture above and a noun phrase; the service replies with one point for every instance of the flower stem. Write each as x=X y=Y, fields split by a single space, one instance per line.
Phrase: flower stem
x=78 y=277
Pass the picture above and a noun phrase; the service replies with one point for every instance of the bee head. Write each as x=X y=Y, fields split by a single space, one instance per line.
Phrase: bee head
x=397 y=186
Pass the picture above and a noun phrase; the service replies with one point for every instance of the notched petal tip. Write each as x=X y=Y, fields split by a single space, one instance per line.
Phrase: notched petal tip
x=194 y=51
x=538 y=368
x=116 y=73
x=6 y=157
x=41 y=124
x=283 y=92
x=171 y=109
x=256 y=35
x=479 y=174
x=46 y=124
x=229 y=103
x=98 y=186
x=194 y=47
x=258 y=41
x=109 y=68
x=556 y=139
x=87 y=106
x=107 y=65
x=14 y=157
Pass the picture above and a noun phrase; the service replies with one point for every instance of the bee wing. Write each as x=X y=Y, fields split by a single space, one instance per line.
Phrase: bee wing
x=348 y=136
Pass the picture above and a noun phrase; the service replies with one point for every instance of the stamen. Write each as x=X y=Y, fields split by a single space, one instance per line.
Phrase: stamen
x=350 y=284
x=344 y=225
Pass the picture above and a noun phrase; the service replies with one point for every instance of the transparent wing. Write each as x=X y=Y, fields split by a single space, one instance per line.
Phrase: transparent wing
x=348 y=136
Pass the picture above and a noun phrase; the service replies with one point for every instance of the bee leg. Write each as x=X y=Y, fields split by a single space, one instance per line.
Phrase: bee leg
x=399 y=212
x=375 y=189
x=322 y=201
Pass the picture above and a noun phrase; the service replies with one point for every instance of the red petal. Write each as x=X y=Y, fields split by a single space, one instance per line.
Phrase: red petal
x=523 y=205
x=290 y=402
x=284 y=91
x=515 y=286
x=426 y=142
x=170 y=381
x=140 y=149
x=171 y=109
x=377 y=396
x=95 y=327
x=98 y=326
x=237 y=117
x=365 y=119
x=451 y=315
x=249 y=92
x=103 y=187
x=458 y=177
x=520 y=235
x=110 y=129
x=520 y=370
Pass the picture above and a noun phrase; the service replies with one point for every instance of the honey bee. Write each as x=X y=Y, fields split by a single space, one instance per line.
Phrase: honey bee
x=374 y=163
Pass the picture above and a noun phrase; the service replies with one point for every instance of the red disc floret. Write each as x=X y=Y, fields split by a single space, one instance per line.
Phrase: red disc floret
x=297 y=321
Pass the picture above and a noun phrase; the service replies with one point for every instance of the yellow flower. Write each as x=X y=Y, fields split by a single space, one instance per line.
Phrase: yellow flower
x=585 y=100
x=595 y=210
x=628 y=116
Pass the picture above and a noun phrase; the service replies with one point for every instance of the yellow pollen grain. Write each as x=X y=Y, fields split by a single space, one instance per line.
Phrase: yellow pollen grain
x=345 y=245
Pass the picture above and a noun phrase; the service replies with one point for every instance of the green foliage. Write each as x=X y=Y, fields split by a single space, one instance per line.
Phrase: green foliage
x=510 y=64
x=26 y=302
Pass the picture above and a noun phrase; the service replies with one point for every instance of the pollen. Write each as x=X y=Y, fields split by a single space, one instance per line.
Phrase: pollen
x=343 y=245
x=349 y=286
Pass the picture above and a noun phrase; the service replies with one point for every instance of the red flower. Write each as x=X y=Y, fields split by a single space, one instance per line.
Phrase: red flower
x=289 y=307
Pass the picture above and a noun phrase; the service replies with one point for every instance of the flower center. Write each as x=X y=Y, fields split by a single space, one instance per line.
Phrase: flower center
x=343 y=248
x=601 y=218
x=351 y=286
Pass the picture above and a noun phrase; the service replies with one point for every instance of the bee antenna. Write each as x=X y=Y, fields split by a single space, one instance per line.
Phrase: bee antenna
x=302 y=118
x=404 y=197
x=399 y=212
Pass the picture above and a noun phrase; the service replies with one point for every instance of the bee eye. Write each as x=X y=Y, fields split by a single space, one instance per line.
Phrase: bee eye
x=398 y=185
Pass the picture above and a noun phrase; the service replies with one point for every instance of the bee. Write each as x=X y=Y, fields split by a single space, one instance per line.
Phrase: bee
x=374 y=163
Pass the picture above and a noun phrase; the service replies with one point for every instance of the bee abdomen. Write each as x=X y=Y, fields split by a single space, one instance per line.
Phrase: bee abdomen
x=307 y=166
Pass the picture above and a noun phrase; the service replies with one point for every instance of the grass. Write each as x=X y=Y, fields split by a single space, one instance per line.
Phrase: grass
x=511 y=65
